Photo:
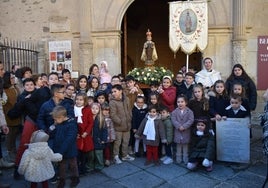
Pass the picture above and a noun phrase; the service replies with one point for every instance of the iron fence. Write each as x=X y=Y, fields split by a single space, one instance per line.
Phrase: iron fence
x=18 y=53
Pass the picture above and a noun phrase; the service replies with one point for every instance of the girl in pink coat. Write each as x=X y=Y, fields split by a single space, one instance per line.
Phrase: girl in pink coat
x=182 y=119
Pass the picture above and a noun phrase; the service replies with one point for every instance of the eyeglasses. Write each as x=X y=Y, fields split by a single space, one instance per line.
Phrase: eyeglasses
x=61 y=92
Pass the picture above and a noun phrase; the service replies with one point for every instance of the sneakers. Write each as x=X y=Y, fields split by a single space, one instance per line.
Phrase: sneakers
x=168 y=160
x=128 y=158
x=117 y=160
x=163 y=158
x=6 y=164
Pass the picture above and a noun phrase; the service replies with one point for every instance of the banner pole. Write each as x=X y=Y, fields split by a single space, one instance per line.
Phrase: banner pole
x=187 y=62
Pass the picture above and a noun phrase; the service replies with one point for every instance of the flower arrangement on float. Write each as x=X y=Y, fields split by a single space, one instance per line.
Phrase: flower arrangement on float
x=148 y=75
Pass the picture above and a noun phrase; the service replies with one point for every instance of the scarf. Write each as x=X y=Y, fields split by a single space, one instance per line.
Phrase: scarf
x=149 y=129
x=78 y=113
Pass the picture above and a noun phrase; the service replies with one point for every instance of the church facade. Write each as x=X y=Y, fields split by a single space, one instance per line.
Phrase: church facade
x=114 y=30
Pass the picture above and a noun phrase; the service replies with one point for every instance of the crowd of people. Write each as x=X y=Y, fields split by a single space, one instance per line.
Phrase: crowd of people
x=99 y=119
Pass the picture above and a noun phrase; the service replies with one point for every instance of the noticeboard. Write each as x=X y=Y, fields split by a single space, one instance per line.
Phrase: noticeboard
x=232 y=138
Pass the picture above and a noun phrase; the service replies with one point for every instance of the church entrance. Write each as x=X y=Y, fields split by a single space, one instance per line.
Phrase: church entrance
x=154 y=15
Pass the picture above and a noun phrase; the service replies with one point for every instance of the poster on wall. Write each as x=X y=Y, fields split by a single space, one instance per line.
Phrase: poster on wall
x=262 y=54
x=60 y=56
x=233 y=140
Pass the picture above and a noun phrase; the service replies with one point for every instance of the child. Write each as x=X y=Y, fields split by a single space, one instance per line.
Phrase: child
x=36 y=164
x=70 y=93
x=182 y=119
x=138 y=114
x=120 y=112
x=82 y=84
x=218 y=103
x=199 y=104
x=178 y=81
x=105 y=77
x=109 y=126
x=238 y=89
x=165 y=116
x=187 y=87
x=101 y=97
x=132 y=90
x=202 y=146
x=84 y=118
x=99 y=138
x=65 y=144
x=153 y=130
x=93 y=85
x=154 y=86
x=235 y=109
x=167 y=93
x=90 y=100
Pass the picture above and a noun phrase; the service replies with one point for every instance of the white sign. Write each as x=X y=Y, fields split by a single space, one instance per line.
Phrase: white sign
x=60 y=56
x=188 y=26
x=232 y=138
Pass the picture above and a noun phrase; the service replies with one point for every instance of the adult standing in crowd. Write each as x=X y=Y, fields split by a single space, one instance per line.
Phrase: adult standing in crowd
x=239 y=75
x=207 y=76
x=94 y=72
x=14 y=125
x=3 y=126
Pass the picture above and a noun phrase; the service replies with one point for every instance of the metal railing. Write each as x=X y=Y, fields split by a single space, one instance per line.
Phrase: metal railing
x=18 y=53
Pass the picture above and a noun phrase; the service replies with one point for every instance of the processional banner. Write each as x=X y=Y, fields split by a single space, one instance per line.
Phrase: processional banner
x=188 y=26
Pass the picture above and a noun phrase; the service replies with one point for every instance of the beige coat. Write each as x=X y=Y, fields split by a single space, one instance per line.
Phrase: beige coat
x=121 y=114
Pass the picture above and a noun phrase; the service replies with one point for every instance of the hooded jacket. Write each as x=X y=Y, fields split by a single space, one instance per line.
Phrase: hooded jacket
x=36 y=164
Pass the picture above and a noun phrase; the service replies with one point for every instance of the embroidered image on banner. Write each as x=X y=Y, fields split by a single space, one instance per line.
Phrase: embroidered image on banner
x=188 y=26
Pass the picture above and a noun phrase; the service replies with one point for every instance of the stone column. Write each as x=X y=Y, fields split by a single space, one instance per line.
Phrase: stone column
x=42 y=62
x=85 y=44
x=239 y=32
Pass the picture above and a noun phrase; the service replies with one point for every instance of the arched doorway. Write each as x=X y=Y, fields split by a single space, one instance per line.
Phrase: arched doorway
x=154 y=15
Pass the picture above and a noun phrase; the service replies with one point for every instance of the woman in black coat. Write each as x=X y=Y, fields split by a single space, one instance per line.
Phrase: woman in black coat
x=239 y=75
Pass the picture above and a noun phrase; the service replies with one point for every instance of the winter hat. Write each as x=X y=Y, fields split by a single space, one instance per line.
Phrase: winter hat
x=39 y=136
x=105 y=63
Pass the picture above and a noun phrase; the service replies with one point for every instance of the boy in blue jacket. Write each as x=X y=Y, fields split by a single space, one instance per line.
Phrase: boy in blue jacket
x=65 y=144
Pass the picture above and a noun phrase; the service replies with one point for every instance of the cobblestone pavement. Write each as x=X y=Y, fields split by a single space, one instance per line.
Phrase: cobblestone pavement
x=135 y=174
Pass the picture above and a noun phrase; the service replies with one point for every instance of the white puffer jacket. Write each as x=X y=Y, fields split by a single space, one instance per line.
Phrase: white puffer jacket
x=36 y=164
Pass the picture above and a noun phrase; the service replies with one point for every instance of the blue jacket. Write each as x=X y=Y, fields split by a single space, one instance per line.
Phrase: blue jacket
x=217 y=105
x=64 y=141
x=44 y=119
x=99 y=135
